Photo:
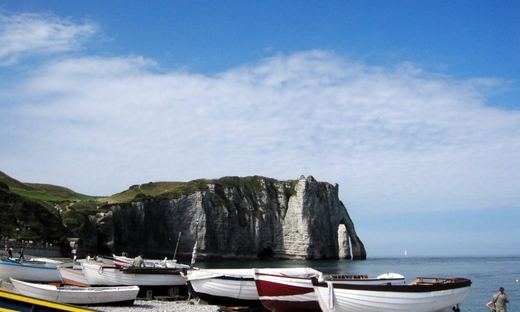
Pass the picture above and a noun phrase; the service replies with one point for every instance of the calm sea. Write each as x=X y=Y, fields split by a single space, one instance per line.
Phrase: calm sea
x=486 y=273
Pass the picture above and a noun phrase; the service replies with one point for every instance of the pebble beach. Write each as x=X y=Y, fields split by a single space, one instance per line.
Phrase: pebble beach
x=161 y=305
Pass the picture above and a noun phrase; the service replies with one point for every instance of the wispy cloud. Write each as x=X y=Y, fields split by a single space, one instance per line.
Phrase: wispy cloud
x=27 y=34
x=394 y=138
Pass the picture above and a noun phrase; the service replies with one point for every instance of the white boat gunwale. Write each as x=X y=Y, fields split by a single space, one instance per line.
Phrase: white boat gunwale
x=421 y=284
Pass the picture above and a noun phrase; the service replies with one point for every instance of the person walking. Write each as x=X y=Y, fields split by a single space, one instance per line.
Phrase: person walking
x=499 y=301
x=22 y=257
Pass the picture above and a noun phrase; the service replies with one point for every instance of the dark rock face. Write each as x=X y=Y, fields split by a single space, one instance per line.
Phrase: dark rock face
x=30 y=219
x=301 y=219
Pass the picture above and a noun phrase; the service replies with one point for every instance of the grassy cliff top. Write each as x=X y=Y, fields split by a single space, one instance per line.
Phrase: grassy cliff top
x=174 y=190
x=166 y=190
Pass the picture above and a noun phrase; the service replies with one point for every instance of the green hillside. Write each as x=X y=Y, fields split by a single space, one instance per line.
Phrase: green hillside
x=45 y=192
x=13 y=183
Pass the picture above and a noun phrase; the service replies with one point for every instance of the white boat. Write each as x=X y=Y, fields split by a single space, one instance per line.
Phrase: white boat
x=423 y=295
x=291 y=289
x=225 y=287
x=121 y=295
x=29 y=272
x=122 y=261
x=73 y=276
x=99 y=274
x=11 y=301
x=47 y=262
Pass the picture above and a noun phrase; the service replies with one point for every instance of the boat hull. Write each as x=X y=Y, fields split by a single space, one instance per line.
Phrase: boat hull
x=435 y=297
x=112 y=276
x=286 y=290
x=119 y=295
x=225 y=287
x=74 y=277
x=29 y=272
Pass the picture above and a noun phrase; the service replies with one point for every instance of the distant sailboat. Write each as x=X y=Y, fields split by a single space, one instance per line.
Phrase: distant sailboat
x=405 y=254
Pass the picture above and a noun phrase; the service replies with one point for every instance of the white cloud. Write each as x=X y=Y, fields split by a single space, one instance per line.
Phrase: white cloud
x=393 y=138
x=28 y=34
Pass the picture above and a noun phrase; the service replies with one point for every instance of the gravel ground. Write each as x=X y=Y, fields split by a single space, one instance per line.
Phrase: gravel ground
x=159 y=305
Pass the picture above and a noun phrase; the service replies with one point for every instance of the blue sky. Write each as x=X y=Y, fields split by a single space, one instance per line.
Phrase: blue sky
x=410 y=106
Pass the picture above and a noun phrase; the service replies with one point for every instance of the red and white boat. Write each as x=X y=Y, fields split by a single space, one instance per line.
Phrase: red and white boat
x=423 y=295
x=291 y=289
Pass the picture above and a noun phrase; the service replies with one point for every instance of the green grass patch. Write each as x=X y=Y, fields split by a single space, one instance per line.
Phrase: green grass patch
x=37 y=194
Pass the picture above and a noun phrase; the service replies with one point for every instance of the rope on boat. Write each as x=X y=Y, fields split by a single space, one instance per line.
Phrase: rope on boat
x=240 y=288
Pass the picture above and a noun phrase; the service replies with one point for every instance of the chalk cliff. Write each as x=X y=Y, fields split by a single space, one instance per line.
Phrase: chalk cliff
x=301 y=219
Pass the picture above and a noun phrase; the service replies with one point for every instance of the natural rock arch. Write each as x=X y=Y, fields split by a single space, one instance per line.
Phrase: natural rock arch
x=237 y=221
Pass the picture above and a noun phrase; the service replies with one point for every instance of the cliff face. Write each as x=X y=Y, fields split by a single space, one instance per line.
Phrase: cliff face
x=301 y=219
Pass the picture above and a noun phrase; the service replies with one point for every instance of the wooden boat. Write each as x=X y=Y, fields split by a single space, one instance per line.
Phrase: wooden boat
x=423 y=295
x=29 y=272
x=99 y=274
x=224 y=287
x=291 y=289
x=10 y=301
x=73 y=276
x=112 y=295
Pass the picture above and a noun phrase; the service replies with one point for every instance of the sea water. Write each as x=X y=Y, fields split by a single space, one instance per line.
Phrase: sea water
x=486 y=273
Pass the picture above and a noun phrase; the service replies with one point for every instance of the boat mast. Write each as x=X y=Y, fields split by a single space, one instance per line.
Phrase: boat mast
x=177 y=246
x=194 y=253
